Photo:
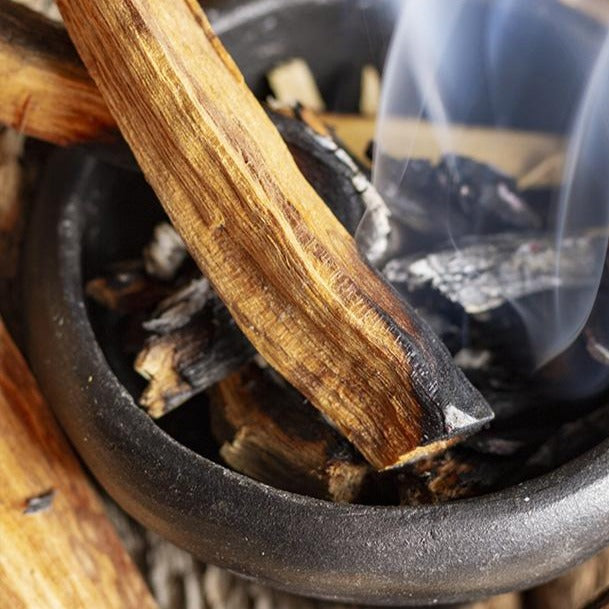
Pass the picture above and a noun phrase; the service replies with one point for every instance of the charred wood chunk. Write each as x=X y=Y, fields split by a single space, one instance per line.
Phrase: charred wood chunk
x=456 y=197
x=127 y=288
x=270 y=432
x=488 y=286
x=195 y=344
x=436 y=480
x=573 y=438
x=178 y=309
x=484 y=274
x=337 y=177
x=456 y=474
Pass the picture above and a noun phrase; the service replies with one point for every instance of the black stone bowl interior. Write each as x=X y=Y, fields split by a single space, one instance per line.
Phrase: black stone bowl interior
x=89 y=213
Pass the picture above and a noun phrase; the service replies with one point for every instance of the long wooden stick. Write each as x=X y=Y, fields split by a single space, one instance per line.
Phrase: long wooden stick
x=287 y=270
x=595 y=9
x=602 y=602
x=57 y=549
x=45 y=90
x=47 y=93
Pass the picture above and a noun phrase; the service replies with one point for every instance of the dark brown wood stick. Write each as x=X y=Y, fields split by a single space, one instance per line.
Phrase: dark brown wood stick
x=58 y=548
x=287 y=270
x=46 y=91
x=268 y=432
x=601 y=602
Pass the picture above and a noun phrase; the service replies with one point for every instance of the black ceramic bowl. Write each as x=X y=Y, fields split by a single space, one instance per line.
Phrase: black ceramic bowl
x=424 y=555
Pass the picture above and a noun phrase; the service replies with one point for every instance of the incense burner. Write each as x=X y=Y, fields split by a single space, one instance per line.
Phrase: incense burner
x=89 y=211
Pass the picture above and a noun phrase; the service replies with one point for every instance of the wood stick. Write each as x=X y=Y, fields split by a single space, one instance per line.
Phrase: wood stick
x=514 y=152
x=46 y=91
x=127 y=288
x=601 y=602
x=271 y=434
x=292 y=82
x=287 y=270
x=58 y=548
x=66 y=107
x=11 y=201
x=370 y=91
x=575 y=588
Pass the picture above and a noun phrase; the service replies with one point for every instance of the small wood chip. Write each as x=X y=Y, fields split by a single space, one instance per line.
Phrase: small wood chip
x=370 y=97
x=292 y=82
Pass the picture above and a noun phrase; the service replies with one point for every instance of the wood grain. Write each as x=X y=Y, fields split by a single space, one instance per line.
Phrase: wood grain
x=268 y=432
x=57 y=549
x=287 y=270
x=46 y=91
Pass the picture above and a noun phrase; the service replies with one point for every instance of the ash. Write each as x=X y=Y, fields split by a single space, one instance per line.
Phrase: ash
x=483 y=275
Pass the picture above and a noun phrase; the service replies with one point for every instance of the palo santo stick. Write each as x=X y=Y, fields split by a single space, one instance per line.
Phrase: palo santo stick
x=66 y=107
x=515 y=153
x=287 y=270
x=58 y=548
x=46 y=91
